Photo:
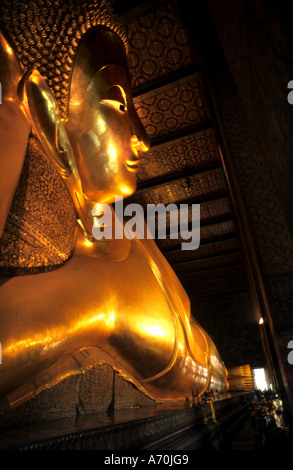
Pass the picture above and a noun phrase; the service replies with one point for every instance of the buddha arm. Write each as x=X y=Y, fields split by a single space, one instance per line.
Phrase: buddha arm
x=14 y=129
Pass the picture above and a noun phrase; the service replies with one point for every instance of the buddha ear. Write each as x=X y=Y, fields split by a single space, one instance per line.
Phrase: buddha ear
x=42 y=111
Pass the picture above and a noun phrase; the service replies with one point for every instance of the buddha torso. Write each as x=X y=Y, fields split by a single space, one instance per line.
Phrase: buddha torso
x=120 y=297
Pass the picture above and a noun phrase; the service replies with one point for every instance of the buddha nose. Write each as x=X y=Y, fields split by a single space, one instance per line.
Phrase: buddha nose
x=138 y=145
x=140 y=139
x=142 y=142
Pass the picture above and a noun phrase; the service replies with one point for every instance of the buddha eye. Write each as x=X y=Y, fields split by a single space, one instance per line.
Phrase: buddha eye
x=115 y=104
x=116 y=98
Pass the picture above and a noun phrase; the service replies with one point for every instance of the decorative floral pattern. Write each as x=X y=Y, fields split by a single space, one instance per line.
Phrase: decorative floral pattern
x=40 y=228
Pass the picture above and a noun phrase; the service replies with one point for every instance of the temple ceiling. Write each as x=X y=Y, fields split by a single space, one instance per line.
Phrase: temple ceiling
x=183 y=165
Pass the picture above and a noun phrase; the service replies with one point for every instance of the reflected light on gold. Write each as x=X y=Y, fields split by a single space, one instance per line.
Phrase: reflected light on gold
x=135 y=144
x=86 y=322
x=98 y=209
x=124 y=190
x=52 y=337
x=153 y=330
x=8 y=49
x=102 y=125
x=35 y=78
x=123 y=93
x=110 y=320
x=138 y=146
x=76 y=102
x=113 y=161
x=87 y=243
x=181 y=347
x=260 y=321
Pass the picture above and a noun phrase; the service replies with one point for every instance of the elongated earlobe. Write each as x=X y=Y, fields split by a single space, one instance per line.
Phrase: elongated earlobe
x=42 y=111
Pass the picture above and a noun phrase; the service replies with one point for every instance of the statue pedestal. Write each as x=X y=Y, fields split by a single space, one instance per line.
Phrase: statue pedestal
x=101 y=411
x=97 y=390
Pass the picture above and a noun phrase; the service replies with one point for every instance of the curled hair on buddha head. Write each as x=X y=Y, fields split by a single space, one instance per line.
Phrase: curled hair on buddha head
x=46 y=34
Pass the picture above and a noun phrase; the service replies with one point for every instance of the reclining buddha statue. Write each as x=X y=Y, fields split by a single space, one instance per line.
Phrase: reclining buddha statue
x=71 y=139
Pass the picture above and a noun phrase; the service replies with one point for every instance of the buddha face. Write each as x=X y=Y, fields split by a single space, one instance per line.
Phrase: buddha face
x=103 y=127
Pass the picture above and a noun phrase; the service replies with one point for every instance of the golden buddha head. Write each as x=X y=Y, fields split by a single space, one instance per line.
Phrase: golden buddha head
x=102 y=124
x=80 y=50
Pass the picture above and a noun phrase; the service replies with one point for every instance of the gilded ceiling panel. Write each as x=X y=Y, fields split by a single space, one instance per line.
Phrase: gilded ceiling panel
x=158 y=44
x=208 y=233
x=216 y=208
x=188 y=152
x=211 y=210
x=220 y=229
x=216 y=261
x=206 y=250
x=184 y=189
x=183 y=164
x=167 y=110
x=217 y=275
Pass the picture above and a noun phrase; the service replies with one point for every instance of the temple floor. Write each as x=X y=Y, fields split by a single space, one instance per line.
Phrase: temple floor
x=67 y=426
x=228 y=423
